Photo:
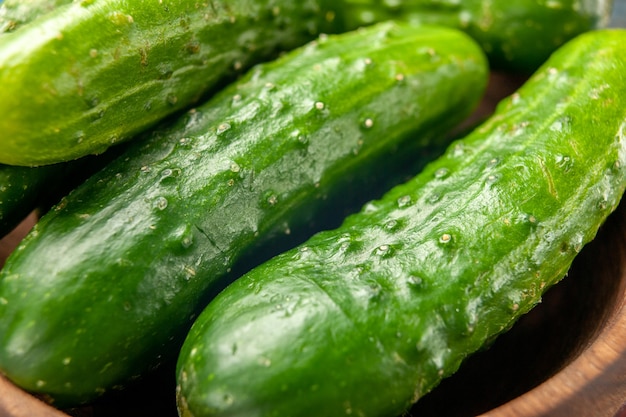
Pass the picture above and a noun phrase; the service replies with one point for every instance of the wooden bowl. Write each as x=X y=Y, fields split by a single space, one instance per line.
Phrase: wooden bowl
x=566 y=358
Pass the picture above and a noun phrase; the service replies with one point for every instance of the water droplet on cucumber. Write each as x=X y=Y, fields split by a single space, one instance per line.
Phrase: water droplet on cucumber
x=445 y=238
x=442 y=173
x=404 y=201
x=269 y=199
x=120 y=19
x=169 y=174
x=383 y=251
x=222 y=127
x=564 y=162
x=160 y=203
x=415 y=282
x=392 y=225
x=492 y=178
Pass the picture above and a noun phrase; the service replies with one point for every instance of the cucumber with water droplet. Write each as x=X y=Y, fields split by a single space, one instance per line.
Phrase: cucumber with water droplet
x=365 y=319
x=90 y=74
x=25 y=189
x=107 y=284
x=517 y=35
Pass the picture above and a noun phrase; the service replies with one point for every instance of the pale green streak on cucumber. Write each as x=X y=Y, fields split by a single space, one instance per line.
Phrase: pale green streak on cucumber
x=366 y=319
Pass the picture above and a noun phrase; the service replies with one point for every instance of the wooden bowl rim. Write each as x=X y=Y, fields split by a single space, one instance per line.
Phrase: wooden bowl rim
x=593 y=384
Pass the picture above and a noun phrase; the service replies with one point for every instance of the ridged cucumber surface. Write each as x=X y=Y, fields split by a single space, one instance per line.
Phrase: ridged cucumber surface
x=365 y=319
x=15 y=13
x=517 y=35
x=107 y=284
x=25 y=189
x=90 y=74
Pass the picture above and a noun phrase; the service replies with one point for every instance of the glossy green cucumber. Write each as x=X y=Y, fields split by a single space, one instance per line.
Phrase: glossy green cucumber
x=94 y=73
x=24 y=189
x=121 y=267
x=27 y=189
x=15 y=13
x=21 y=189
x=365 y=319
x=517 y=35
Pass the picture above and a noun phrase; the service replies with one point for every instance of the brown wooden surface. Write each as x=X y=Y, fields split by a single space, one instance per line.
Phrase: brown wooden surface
x=8 y=243
x=594 y=385
x=16 y=403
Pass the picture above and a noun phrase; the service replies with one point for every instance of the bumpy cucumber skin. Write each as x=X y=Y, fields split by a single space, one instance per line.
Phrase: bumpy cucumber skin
x=91 y=74
x=517 y=35
x=108 y=283
x=15 y=13
x=25 y=189
x=21 y=188
x=365 y=319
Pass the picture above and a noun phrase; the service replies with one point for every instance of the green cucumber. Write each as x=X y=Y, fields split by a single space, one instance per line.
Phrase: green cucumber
x=21 y=190
x=15 y=13
x=24 y=189
x=517 y=35
x=94 y=73
x=365 y=319
x=108 y=283
x=27 y=189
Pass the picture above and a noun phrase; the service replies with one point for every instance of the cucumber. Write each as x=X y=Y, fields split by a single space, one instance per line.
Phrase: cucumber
x=365 y=319
x=15 y=13
x=517 y=35
x=94 y=73
x=121 y=267
x=27 y=189
x=21 y=187
x=21 y=190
